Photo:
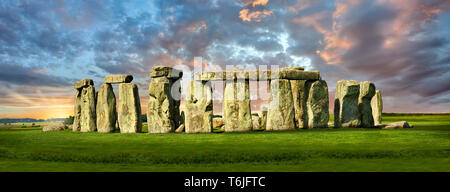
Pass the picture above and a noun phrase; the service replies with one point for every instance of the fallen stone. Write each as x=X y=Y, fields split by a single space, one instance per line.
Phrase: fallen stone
x=199 y=108
x=118 y=79
x=88 y=119
x=366 y=92
x=106 y=109
x=129 y=110
x=83 y=83
x=236 y=107
x=54 y=127
x=281 y=110
x=77 y=110
x=163 y=71
x=299 y=97
x=180 y=129
x=317 y=102
x=161 y=113
x=396 y=125
x=377 y=107
x=346 y=113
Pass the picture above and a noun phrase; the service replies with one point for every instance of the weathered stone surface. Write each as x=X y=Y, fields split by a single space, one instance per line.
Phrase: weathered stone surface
x=264 y=119
x=346 y=113
x=377 y=107
x=162 y=115
x=257 y=75
x=199 y=108
x=366 y=92
x=163 y=71
x=299 y=97
x=317 y=103
x=281 y=110
x=83 y=83
x=106 y=109
x=236 y=106
x=218 y=122
x=129 y=110
x=54 y=127
x=180 y=129
x=77 y=110
x=396 y=125
x=256 y=122
x=88 y=120
x=293 y=68
x=118 y=79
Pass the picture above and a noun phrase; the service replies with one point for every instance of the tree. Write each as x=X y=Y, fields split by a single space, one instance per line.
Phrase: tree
x=69 y=120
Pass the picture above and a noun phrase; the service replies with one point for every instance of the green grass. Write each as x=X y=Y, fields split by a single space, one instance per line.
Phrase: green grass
x=426 y=147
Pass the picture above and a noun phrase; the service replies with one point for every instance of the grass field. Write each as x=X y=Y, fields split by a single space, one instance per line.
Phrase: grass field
x=426 y=147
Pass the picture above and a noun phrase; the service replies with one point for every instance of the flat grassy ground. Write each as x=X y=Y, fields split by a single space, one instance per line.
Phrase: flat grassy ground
x=426 y=147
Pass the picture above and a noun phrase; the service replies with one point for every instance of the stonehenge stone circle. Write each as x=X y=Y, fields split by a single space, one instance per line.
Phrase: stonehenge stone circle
x=317 y=113
x=88 y=119
x=118 y=79
x=106 y=109
x=236 y=106
x=377 y=107
x=281 y=110
x=299 y=97
x=346 y=113
x=366 y=92
x=199 y=108
x=163 y=111
x=129 y=110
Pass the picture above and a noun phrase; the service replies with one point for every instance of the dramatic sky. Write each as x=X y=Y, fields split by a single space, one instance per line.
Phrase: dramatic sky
x=403 y=46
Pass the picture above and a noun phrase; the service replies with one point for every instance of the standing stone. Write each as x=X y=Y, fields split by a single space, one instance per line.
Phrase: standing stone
x=88 y=115
x=366 y=92
x=163 y=114
x=377 y=107
x=106 y=109
x=264 y=119
x=317 y=103
x=199 y=108
x=77 y=110
x=346 y=113
x=281 y=109
x=129 y=108
x=256 y=122
x=299 y=97
x=236 y=106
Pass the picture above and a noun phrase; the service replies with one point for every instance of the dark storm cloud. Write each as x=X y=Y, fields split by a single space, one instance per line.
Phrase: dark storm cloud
x=20 y=75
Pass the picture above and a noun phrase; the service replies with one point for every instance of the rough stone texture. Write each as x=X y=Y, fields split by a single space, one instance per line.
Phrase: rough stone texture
x=218 y=122
x=161 y=113
x=256 y=122
x=199 y=108
x=264 y=119
x=88 y=120
x=180 y=129
x=83 y=83
x=236 y=107
x=106 y=109
x=54 y=127
x=129 y=110
x=317 y=103
x=257 y=75
x=293 y=68
x=395 y=125
x=299 y=97
x=118 y=79
x=366 y=92
x=346 y=113
x=377 y=107
x=77 y=110
x=281 y=110
x=163 y=71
